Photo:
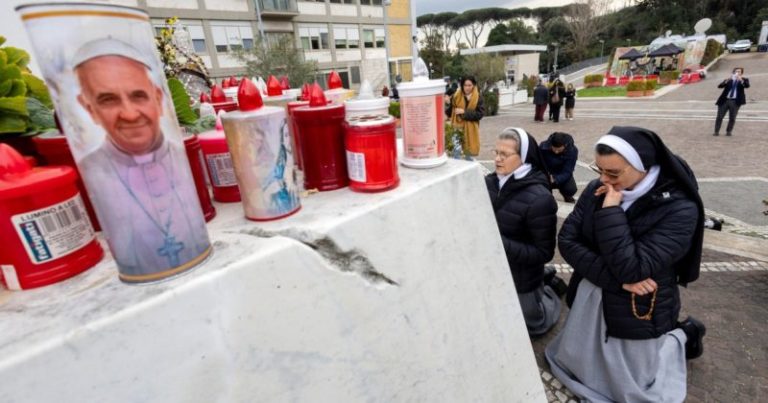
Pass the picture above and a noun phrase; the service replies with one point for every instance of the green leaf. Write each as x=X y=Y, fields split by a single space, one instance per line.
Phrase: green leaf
x=14 y=106
x=184 y=112
x=12 y=124
x=2 y=40
x=5 y=87
x=10 y=72
x=40 y=116
x=17 y=56
x=3 y=60
x=37 y=89
x=18 y=89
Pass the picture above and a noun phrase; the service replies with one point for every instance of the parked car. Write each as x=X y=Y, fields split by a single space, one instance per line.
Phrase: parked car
x=742 y=45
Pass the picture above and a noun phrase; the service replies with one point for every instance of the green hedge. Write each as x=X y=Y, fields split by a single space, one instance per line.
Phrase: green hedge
x=712 y=51
x=491 y=99
x=394 y=109
x=650 y=85
x=636 y=86
x=593 y=78
x=670 y=75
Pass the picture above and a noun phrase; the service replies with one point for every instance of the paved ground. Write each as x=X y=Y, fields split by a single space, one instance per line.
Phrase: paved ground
x=731 y=296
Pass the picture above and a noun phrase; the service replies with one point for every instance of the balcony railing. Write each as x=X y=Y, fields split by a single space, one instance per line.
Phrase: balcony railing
x=286 y=8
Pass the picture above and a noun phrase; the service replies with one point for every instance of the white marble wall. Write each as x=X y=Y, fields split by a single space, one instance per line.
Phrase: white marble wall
x=398 y=296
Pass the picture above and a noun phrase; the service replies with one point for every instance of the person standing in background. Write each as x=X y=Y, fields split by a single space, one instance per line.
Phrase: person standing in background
x=570 y=101
x=731 y=99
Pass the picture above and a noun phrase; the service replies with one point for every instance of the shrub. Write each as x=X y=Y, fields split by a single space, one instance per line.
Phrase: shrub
x=491 y=99
x=636 y=86
x=650 y=85
x=670 y=75
x=593 y=79
x=712 y=51
x=394 y=109
x=528 y=83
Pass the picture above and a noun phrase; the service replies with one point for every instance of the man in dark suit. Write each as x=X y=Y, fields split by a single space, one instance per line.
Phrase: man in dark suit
x=731 y=99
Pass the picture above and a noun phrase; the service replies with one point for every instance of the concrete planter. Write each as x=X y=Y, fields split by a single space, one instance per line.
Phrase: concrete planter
x=648 y=93
x=635 y=94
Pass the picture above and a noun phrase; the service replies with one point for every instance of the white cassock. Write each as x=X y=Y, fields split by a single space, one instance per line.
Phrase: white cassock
x=147 y=206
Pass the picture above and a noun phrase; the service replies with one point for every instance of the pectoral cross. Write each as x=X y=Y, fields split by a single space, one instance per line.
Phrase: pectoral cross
x=171 y=250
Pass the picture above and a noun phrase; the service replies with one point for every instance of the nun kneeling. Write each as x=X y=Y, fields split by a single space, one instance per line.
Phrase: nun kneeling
x=526 y=214
x=634 y=235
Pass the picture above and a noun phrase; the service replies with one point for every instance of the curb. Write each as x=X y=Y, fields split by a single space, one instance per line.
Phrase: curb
x=734 y=244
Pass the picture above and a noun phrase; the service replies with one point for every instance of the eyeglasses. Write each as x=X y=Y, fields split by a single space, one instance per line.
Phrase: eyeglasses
x=502 y=154
x=611 y=174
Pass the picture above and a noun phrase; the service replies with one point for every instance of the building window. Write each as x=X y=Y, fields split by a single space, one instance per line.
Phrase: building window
x=344 y=1
x=228 y=38
x=314 y=38
x=373 y=38
x=346 y=37
x=355 y=73
x=370 y=2
x=196 y=33
x=274 y=38
x=321 y=78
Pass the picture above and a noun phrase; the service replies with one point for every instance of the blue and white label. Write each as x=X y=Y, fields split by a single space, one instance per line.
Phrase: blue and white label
x=221 y=169
x=356 y=166
x=55 y=231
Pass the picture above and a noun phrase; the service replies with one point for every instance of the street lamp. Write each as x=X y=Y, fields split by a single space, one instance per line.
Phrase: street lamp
x=602 y=46
x=554 y=66
x=384 y=5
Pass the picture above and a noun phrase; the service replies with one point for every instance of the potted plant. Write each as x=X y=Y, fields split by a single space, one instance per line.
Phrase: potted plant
x=593 y=80
x=25 y=105
x=650 y=87
x=667 y=77
x=635 y=89
x=394 y=110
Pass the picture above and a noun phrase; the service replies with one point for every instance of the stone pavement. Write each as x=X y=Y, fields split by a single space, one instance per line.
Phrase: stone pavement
x=731 y=296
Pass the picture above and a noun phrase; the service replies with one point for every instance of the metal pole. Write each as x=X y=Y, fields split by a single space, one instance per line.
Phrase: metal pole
x=385 y=4
x=602 y=46
x=414 y=32
x=554 y=67
x=261 y=25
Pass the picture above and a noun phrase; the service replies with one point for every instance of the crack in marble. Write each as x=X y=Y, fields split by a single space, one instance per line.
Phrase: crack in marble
x=352 y=261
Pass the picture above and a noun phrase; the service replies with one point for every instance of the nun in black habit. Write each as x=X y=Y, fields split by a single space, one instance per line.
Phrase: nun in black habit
x=633 y=237
x=526 y=213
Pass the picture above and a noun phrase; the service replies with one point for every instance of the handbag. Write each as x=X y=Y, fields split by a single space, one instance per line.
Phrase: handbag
x=556 y=97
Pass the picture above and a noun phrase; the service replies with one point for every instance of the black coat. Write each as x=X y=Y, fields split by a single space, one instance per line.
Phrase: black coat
x=472 y=115
x=526 y=214
x=570 y=98
x=560 y=90
x=610 y=247
x=560 y=166
x=540 y=95
x=741 y=99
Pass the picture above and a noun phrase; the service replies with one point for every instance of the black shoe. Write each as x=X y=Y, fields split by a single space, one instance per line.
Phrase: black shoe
x=715 y=134
x=728 y=134
x=559 y=285
x=569 y=199
x=695 y=331
x=713 y=223
x=549 y=273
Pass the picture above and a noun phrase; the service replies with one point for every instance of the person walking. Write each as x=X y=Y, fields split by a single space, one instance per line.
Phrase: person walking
x=466 y=108
x=731 y=99
x=560 y=155
x=526 y=214
x=556 y=98
x=634 y=236
x=570 y=101
x=540 y=100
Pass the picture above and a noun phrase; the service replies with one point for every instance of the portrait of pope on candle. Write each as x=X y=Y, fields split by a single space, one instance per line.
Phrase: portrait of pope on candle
x=145 y=195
